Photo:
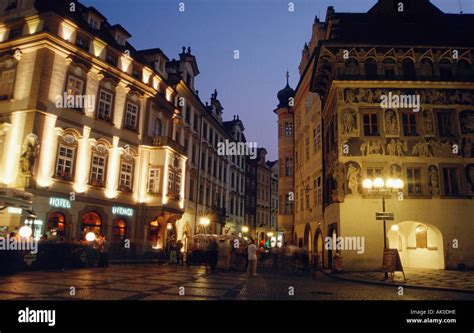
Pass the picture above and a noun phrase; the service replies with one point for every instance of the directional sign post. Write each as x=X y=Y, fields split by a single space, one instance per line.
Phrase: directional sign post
x=384 y=216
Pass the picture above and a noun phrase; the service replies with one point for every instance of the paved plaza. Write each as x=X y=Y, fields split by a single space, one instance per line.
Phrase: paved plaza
x=163 y=282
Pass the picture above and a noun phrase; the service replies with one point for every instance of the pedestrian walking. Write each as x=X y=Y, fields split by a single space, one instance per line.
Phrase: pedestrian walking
x=252 y=259
x=212 y=255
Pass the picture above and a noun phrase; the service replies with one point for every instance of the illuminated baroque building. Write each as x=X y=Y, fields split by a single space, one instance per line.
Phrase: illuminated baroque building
x=98 y=136
x=338 y=133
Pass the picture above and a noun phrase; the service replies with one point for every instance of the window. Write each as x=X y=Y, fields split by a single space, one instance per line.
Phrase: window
x=371 y=126
x=187 y=117
x=317 y=138
x=174 y=183
x=82 y=42
x=12 y=4
x=445 y=123
x=154 y=180
x=93 y=23
x=157 y=128
x=111 y=58
x=196 y=122
x=74 y=86
x=409 y=124
x=414 y=180
x=408 y=68
x=105 y=105
x=97 y=170
x=204 y=130
x=389 y=68
x=317 y=191
x=374 y=172
x=7 y=80
x=65 y=162
x=126 y=176
x=451 y=181
x=421 y=237
x=193 y=154
x=15 y=32
x=288 y=129
x=288 y=166
x=131 y=116
x=191 y=190
x=426 y=68
x=307 y=147
x=371 y=69
x=445 y=70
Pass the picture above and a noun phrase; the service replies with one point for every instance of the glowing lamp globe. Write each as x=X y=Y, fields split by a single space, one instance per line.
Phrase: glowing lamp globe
x=25 y=231
x=90 y=236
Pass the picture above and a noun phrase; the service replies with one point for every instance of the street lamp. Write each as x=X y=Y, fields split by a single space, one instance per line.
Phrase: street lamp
x=245 y=229
x=25 y=231
x=204 y=221
x=380 y=186
x=90 y=236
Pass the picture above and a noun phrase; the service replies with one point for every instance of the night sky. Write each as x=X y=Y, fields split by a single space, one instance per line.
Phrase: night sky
x=269 y=39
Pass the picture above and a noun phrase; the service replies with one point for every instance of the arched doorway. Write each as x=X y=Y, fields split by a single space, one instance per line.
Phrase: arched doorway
x=332 y=235
x=91 y=222
x=318 y=249
x=420 y=245
x=307 y=240
x=154 y=235
x=56 y=225
x=119 y=234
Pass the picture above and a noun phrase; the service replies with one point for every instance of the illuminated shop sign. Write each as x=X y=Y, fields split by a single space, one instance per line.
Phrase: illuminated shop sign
x=59 y=202
x=118 y=210
x=14 y=210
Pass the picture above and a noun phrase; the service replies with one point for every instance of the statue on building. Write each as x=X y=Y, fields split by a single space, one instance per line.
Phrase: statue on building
x=434 y=180
x=348 y=121
x=441 y=149
x=397 y=147
x=30 y=150
x=391 y=122
x=373 y=147
x=466 y=147
x=395 y=171
x=466 y=119
x=428 y=124
x=338 y=178
x=353 y=178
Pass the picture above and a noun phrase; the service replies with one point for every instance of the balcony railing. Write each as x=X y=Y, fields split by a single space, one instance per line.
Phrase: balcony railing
x=164 y=141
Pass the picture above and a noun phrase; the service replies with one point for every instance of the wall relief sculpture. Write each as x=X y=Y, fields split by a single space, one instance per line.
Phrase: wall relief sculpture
x=427 y=96
x=466 y=119
x=466 y=147
x=433 y=180
x=349 y=122
x=391 y=122
x=353 y=175
x=397 y=147
x=422 y=149
x=373 y=147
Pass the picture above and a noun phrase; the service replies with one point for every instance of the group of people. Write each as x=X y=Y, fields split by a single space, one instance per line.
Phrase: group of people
x=224 y=251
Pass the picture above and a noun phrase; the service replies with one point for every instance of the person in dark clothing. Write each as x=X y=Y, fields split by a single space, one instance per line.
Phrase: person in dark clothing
x=212 y=255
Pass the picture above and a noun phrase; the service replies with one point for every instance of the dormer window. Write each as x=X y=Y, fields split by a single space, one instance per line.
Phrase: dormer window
x=120 y=39
x=94 y=24
x=82 y=42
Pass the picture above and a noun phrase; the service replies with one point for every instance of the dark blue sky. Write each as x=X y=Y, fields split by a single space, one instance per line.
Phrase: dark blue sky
x=268 y=37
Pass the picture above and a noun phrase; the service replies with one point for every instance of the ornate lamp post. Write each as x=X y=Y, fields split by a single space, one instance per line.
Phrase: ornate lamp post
x=380 y=186
x=204 y=221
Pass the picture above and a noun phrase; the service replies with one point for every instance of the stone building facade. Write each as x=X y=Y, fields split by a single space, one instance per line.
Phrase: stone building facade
x=352 y=65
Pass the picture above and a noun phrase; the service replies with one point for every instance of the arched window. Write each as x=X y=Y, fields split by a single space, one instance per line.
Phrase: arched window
x=426 y=68
x=91 y=222
x=421 y=237
x=371 y=69
x=445 y=70
x=158 y=127
x=120 y=230
x=389 y=68
x=352 y=67
x=56 y=224
x=463 y=69
x=408 y=67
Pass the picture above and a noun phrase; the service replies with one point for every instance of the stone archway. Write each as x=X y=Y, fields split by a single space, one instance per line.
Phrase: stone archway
x=332 y=233
x=318 y=249
x=308 y=240
x=420 y=244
